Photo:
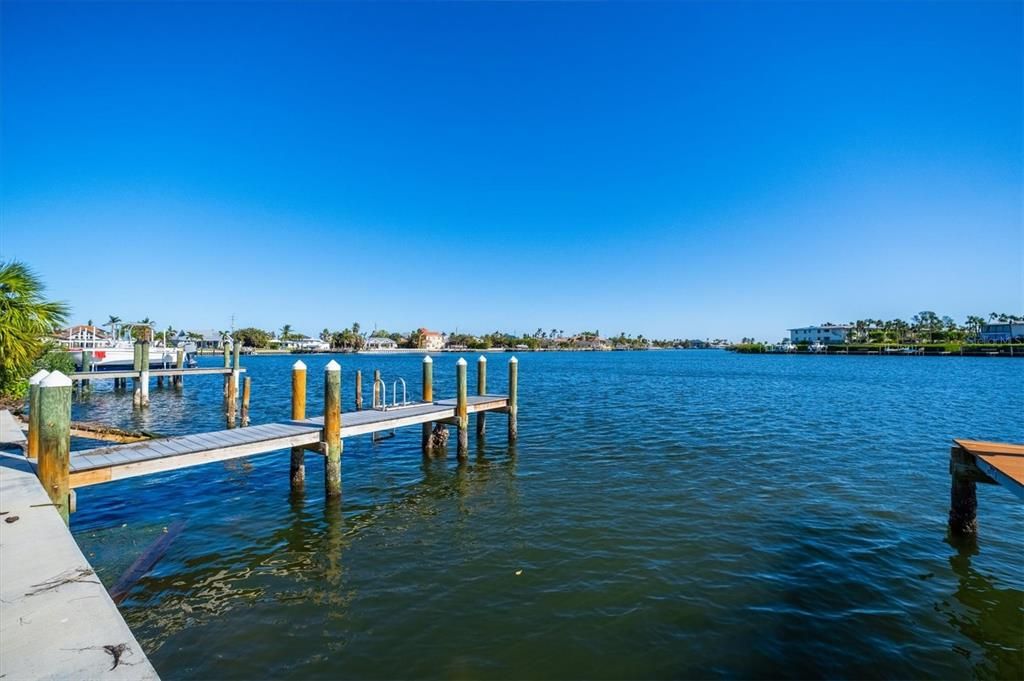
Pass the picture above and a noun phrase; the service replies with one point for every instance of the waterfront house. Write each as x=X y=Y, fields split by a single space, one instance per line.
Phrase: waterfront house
x=591 y=344
x=1002 y=332
x=826 y=334
x=204 y=339
x=431 y=340
x=379 y=344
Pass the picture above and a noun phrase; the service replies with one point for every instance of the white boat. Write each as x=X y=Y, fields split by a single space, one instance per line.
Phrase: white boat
x=117 y=350
x=818 y=346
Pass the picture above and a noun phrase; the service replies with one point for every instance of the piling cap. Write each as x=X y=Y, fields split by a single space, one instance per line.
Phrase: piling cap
x=332 y=366
x=482 y=359
x=55 y=380
x=461 y=362
x=299 y=365
x=38 y=376
x=513 y=360
x=428 y=360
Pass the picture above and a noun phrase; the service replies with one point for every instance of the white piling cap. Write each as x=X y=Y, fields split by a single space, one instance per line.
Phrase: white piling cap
x=55 y=380
x=299 y=365
x=38 y=376
x=513 y=360
x=332 y=366
x=482 y=359
x=428 y=360
x=461 y=362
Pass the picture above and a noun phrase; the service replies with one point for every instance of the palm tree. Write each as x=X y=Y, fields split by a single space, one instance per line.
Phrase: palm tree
x=26 y=318
x=286 y=333
x=325 y=335
x=112 y=323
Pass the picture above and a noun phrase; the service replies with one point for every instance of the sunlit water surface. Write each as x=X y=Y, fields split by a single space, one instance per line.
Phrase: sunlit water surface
x=673 y=514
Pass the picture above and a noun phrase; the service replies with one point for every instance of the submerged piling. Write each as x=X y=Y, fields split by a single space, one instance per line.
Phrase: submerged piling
x=481 y=389
x=332 y=429
x=83 y=385
x=297 y=476
x=246 y=391
x=513 y=407
x=461 y=408
x=428 y=397
x=963 y=502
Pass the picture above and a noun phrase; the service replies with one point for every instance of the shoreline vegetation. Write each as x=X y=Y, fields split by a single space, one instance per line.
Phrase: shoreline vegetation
x=1015 y=349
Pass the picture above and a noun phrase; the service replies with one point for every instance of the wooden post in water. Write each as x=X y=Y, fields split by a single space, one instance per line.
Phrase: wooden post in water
x=481 y=389
x=461 y=408
x=32 y=446
x=246 y=391
x=236 y=367
x=55 y=439
x=377 y=384
x=332 y=430
x=137 y=367
x=180 y=364
x=83 y=385
x=227 y=365
x=144 y=375
x=513 y=406
x=428 y=397
x=298 y=469
x=359 y=390
x=963 y=501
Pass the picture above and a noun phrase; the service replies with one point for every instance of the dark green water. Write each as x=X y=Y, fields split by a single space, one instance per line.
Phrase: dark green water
x=674 y=514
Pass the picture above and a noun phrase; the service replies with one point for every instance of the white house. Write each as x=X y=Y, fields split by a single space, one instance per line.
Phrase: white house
x=827 y=334
x=1002 y=332
x=203 y=338
x=378 y=344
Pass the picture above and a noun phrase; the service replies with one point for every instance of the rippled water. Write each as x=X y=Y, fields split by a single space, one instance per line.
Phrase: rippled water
x=674 y=514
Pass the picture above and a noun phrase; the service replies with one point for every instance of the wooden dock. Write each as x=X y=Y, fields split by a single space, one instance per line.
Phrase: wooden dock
x=974 y=461
x=105 y=464
x=61 y=471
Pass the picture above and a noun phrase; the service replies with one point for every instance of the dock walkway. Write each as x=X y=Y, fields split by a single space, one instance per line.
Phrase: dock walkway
x=106 y=464
x=57 y=621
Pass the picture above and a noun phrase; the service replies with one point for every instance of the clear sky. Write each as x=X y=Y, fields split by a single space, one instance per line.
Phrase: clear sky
x=672 y=169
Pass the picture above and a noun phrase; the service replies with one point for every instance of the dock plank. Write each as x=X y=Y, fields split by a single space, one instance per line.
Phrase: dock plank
x=10 y=430
x=1001 y=461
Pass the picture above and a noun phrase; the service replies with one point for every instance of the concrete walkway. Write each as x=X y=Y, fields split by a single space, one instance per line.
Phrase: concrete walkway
x=56 y=619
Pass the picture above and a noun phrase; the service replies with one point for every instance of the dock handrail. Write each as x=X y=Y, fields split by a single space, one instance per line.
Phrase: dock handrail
x=381 y=398
x=394 y=393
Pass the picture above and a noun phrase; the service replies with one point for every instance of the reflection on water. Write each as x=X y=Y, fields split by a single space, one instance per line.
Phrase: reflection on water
x=785 y=518
x=987 y=614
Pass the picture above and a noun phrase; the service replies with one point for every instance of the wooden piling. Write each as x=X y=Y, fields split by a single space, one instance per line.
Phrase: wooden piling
x=963 y=502
x=227 y=355
x=246 y=391
x=137 y=366
x=513 y=407
x=332 y=430
x=55 y=439
x=32 y=446
x=180 y=364
x=298 y=468
x=83 y=385
x=236 y=366
x=481 y=389
x=359 y=390
x=428 y=397
x=144 y=375
x=376 y=388
x=461 y=408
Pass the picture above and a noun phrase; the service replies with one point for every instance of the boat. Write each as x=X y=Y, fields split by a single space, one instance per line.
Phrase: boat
x=818 y=346
x=116 y=350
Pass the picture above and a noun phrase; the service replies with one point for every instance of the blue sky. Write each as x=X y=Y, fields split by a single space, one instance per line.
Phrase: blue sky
x=671 y=169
